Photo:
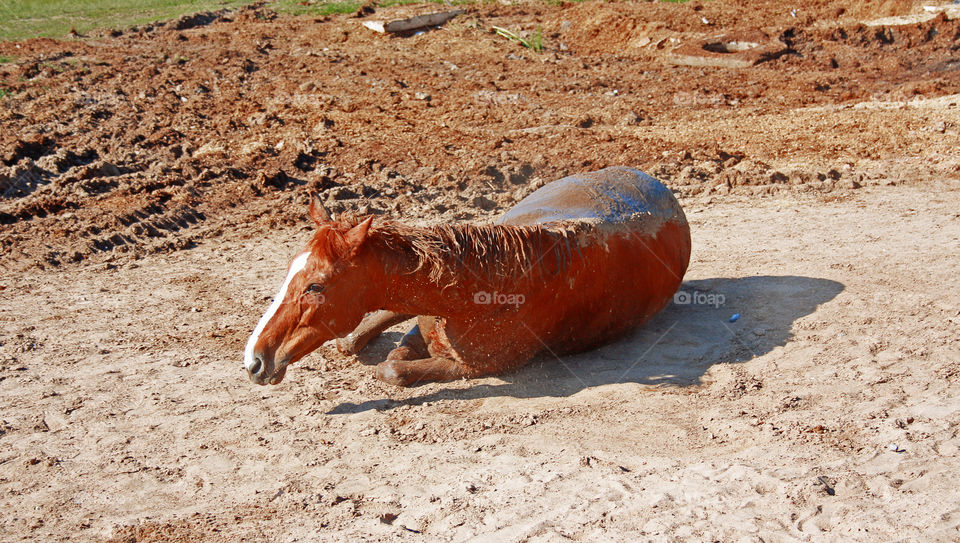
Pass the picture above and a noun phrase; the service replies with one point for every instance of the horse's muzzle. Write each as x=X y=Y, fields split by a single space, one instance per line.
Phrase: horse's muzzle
x=265 y=372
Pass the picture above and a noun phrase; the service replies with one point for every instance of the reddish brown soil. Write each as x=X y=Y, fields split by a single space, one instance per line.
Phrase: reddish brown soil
x=163 y=136
x=153 y=184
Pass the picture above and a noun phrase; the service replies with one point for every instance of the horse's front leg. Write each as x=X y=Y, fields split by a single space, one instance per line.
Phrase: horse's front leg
x=409 y=372
x=370 y=327
x=413 y=362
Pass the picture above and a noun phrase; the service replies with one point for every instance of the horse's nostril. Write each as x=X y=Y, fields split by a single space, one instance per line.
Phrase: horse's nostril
x=257 y=365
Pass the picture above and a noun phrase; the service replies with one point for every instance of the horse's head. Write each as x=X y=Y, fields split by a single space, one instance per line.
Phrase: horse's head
x=324 y=296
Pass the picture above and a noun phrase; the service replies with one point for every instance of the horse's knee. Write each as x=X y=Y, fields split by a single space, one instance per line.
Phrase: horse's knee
x=393 y=372
x=404 y=352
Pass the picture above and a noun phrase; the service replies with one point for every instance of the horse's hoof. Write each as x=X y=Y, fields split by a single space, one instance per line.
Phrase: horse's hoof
x=387 y=372
x=347 y=345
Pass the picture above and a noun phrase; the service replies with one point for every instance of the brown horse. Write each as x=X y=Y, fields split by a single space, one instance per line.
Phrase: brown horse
x=576 y=264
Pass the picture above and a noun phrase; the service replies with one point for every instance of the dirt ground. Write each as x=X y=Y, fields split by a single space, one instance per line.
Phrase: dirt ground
x=153 y=185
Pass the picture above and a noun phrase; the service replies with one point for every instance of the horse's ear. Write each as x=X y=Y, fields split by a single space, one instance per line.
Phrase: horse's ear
x=357 y=235
x=317 y=212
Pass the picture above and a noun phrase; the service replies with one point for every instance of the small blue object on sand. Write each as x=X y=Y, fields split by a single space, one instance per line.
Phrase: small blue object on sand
x=735 y=317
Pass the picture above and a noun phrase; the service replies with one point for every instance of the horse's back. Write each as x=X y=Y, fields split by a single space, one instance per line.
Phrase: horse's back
x=616 y=195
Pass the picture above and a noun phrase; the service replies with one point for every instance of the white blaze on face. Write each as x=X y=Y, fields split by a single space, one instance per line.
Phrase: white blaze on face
x=296 y=267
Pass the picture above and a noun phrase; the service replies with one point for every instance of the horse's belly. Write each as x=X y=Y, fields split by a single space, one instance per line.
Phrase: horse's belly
x=613 y=288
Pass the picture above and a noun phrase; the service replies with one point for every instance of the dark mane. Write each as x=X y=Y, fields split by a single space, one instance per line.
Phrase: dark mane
x=496 y=253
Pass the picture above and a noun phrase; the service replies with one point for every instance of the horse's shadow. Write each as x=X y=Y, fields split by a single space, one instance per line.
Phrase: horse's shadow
x=675 y=348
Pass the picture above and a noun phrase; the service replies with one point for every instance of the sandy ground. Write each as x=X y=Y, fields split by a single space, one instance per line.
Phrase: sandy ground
x=829 y=220
x=128 y=407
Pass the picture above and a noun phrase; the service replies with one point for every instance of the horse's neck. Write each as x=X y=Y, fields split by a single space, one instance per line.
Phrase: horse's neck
x=410 y=290
x=452 y=282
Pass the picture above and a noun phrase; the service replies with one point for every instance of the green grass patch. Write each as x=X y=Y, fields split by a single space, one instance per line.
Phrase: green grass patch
x=22 y=19
x=330 y=7
x=7 y=60
x=534 y=42
x=4 y=93
x=296 y=7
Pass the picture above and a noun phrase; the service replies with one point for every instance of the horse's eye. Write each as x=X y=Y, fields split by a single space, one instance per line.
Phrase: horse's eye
x=315 y=287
